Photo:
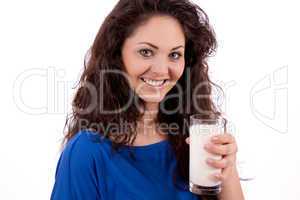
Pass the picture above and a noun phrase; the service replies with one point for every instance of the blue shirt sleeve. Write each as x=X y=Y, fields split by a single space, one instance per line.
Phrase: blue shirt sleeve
x=77 y=172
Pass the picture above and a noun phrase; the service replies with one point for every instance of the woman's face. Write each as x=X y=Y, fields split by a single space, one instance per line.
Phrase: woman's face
x=154 y=57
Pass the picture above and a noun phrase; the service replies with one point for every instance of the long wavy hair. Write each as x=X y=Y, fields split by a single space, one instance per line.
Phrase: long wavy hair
x=114 y=92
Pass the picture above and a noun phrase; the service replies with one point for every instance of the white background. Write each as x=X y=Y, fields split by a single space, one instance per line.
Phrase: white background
x=42 y=47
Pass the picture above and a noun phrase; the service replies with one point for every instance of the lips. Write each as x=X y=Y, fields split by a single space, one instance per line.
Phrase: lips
x=154 y=83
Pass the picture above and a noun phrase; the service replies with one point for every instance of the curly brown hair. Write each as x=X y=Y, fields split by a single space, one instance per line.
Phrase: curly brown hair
x=114 y=92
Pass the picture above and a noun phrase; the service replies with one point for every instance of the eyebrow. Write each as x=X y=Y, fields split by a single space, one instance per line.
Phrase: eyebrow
x=152 y=45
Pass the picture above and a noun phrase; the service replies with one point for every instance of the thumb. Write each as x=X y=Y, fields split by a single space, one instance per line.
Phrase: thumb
x=187 y=140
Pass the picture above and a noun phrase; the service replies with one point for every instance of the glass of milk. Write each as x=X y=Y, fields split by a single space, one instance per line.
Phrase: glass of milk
x=201 y=179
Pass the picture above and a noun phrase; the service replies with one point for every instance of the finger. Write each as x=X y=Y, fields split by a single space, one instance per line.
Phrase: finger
x=218 y=149
x=187 y=140
x=224 y=174
x=223 y=139
x=220 y=164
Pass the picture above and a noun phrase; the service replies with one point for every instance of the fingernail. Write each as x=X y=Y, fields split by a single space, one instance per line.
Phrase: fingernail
x=214 y=138
x=206 y=146
x=209 y=161
x=217 y=176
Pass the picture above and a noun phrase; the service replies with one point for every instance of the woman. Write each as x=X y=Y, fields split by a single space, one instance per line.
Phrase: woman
x=127 y=137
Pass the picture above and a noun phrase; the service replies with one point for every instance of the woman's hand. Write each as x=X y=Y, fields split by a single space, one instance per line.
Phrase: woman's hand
x=224 y=145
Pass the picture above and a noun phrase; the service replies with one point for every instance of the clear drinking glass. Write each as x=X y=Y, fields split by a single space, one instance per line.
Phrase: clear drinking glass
x=201 y=179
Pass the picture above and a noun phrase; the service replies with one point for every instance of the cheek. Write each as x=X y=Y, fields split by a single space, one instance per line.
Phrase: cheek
x=133 y=66
x=177 y=71
x=134 y=69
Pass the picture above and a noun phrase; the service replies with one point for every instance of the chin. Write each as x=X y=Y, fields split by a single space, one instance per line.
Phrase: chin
x=152 y=99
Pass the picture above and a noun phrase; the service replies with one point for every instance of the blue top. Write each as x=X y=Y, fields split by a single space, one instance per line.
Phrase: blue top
x=88 y=170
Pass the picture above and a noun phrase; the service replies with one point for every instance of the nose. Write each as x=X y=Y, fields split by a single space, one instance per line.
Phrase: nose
x=160 y=67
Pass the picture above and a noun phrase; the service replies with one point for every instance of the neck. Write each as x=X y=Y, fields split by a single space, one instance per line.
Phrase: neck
x=147 y=126
x=149 y=113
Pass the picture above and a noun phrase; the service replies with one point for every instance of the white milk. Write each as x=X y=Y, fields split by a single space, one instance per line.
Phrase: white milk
x=200 y=172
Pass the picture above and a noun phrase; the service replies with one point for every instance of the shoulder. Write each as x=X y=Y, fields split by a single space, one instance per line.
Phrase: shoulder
x=85 y=138
x=83 y=150
x=79 y=167
x=83 y=142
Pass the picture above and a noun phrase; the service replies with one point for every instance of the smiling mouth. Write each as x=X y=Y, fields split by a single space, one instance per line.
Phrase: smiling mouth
x=154 y=83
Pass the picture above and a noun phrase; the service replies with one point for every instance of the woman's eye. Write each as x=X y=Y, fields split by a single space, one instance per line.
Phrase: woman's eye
x=176 y=55
x=145 y=52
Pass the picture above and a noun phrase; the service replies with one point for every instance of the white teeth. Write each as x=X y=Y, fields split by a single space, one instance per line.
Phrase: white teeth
x=153 y=82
